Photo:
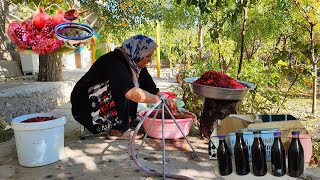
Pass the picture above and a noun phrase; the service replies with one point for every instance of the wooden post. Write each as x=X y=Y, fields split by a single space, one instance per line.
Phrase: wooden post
x=93 y=50
x=108 y=49
x=158 y=49
x=169 y=56
x=77 y=58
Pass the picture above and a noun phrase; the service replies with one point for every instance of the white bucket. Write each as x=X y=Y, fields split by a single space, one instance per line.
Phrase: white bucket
x=39 y=143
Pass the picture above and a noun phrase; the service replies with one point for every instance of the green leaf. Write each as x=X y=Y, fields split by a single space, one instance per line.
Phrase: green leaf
x=194 y=2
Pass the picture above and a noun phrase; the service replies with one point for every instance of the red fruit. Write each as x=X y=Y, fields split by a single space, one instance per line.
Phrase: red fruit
x=59 y=18
x=40 y=18
x=46 y=45
x=15 y=34
x=47 y=30
x=22 y=35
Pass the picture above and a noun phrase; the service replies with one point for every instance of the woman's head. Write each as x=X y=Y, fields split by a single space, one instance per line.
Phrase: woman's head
x=139 y=49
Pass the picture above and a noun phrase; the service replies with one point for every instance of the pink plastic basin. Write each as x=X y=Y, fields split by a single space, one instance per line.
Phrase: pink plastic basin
x=171 y=129
x=306 y=143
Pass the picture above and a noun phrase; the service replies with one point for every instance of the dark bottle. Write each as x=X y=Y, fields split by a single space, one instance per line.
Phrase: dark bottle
x=224 y=157
x=295 y=156
x=278 y=156
x=241 y=155
x=258 y=152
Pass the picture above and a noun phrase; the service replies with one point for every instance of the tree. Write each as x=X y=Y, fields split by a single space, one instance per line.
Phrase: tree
x=4 y=10
x=242 y=7
x=309 y=11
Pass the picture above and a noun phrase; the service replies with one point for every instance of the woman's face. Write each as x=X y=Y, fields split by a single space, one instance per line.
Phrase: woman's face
x=143 y=63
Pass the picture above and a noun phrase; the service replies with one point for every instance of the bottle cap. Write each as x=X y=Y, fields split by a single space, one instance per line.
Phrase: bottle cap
x=222 y=137
x=295 y=132
x=278 y=133
x=239 y=133
x=256 y=132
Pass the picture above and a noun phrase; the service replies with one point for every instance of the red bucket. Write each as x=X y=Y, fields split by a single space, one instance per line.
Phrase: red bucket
x=306 y=143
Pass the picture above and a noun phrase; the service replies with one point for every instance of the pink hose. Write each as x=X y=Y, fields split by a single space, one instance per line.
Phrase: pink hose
x=150 y=172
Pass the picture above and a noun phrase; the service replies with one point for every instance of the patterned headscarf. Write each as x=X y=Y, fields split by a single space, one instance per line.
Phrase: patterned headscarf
x=136 y=48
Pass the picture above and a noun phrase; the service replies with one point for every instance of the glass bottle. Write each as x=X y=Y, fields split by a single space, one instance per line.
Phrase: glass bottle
x=241 y=155
x=258 y=152
x=278 y=156
x=224 y=157
x=295 y=156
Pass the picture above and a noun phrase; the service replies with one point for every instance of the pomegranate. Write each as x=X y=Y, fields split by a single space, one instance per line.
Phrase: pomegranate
x=47 y=30
x=22 y=35
x=40 y=18
x=59 y=18
x=46 y=45
x=45 y=42
x=25 y=36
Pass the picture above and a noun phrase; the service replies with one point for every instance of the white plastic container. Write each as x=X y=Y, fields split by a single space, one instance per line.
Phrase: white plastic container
x=69 y=61
x=213 y=144
x=29 y=63
x=39 y=143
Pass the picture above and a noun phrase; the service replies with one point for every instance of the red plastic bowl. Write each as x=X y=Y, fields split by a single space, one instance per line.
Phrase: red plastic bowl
x=169 y=94
x=171 y=129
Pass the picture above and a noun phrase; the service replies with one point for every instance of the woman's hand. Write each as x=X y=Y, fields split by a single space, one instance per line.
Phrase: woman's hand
x=172 y=105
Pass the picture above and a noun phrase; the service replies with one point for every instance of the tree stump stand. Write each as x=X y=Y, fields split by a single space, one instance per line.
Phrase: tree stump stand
x=212 y=111
x=50 y=67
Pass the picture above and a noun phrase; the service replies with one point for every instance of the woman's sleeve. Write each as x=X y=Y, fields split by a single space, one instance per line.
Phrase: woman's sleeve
x=120 y=79
x=146 y=82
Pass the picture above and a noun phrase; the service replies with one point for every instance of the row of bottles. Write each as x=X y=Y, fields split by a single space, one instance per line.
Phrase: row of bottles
x=258 y=153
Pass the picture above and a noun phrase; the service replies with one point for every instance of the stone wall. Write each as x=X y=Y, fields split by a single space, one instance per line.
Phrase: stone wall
x=33 y=98
x=11 y=67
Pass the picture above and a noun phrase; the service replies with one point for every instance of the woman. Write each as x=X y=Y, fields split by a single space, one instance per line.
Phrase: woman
x=101 y=98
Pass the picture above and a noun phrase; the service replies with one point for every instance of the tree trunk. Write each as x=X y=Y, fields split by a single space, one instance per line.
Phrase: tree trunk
x=187 y=54
x=50 y=67
x=200 y=41
x=242 y=39
x=4 y=54
x=219 y=55
x=315 y=69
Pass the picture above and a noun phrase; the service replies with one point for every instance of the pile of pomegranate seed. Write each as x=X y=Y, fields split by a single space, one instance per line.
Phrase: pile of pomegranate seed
x=39 y=119
x=218 y=79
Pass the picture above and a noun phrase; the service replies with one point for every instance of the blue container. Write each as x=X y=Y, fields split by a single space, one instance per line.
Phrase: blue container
x=267 y=135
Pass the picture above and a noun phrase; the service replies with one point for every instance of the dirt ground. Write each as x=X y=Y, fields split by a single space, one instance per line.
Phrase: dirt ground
x=100 y=158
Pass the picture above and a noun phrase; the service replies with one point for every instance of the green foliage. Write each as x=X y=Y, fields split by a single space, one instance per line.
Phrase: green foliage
x=263 y=99
x=271 y=87
x=100 y=50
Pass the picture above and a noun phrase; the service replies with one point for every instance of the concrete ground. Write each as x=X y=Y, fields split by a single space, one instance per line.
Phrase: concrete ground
x=98 y=157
